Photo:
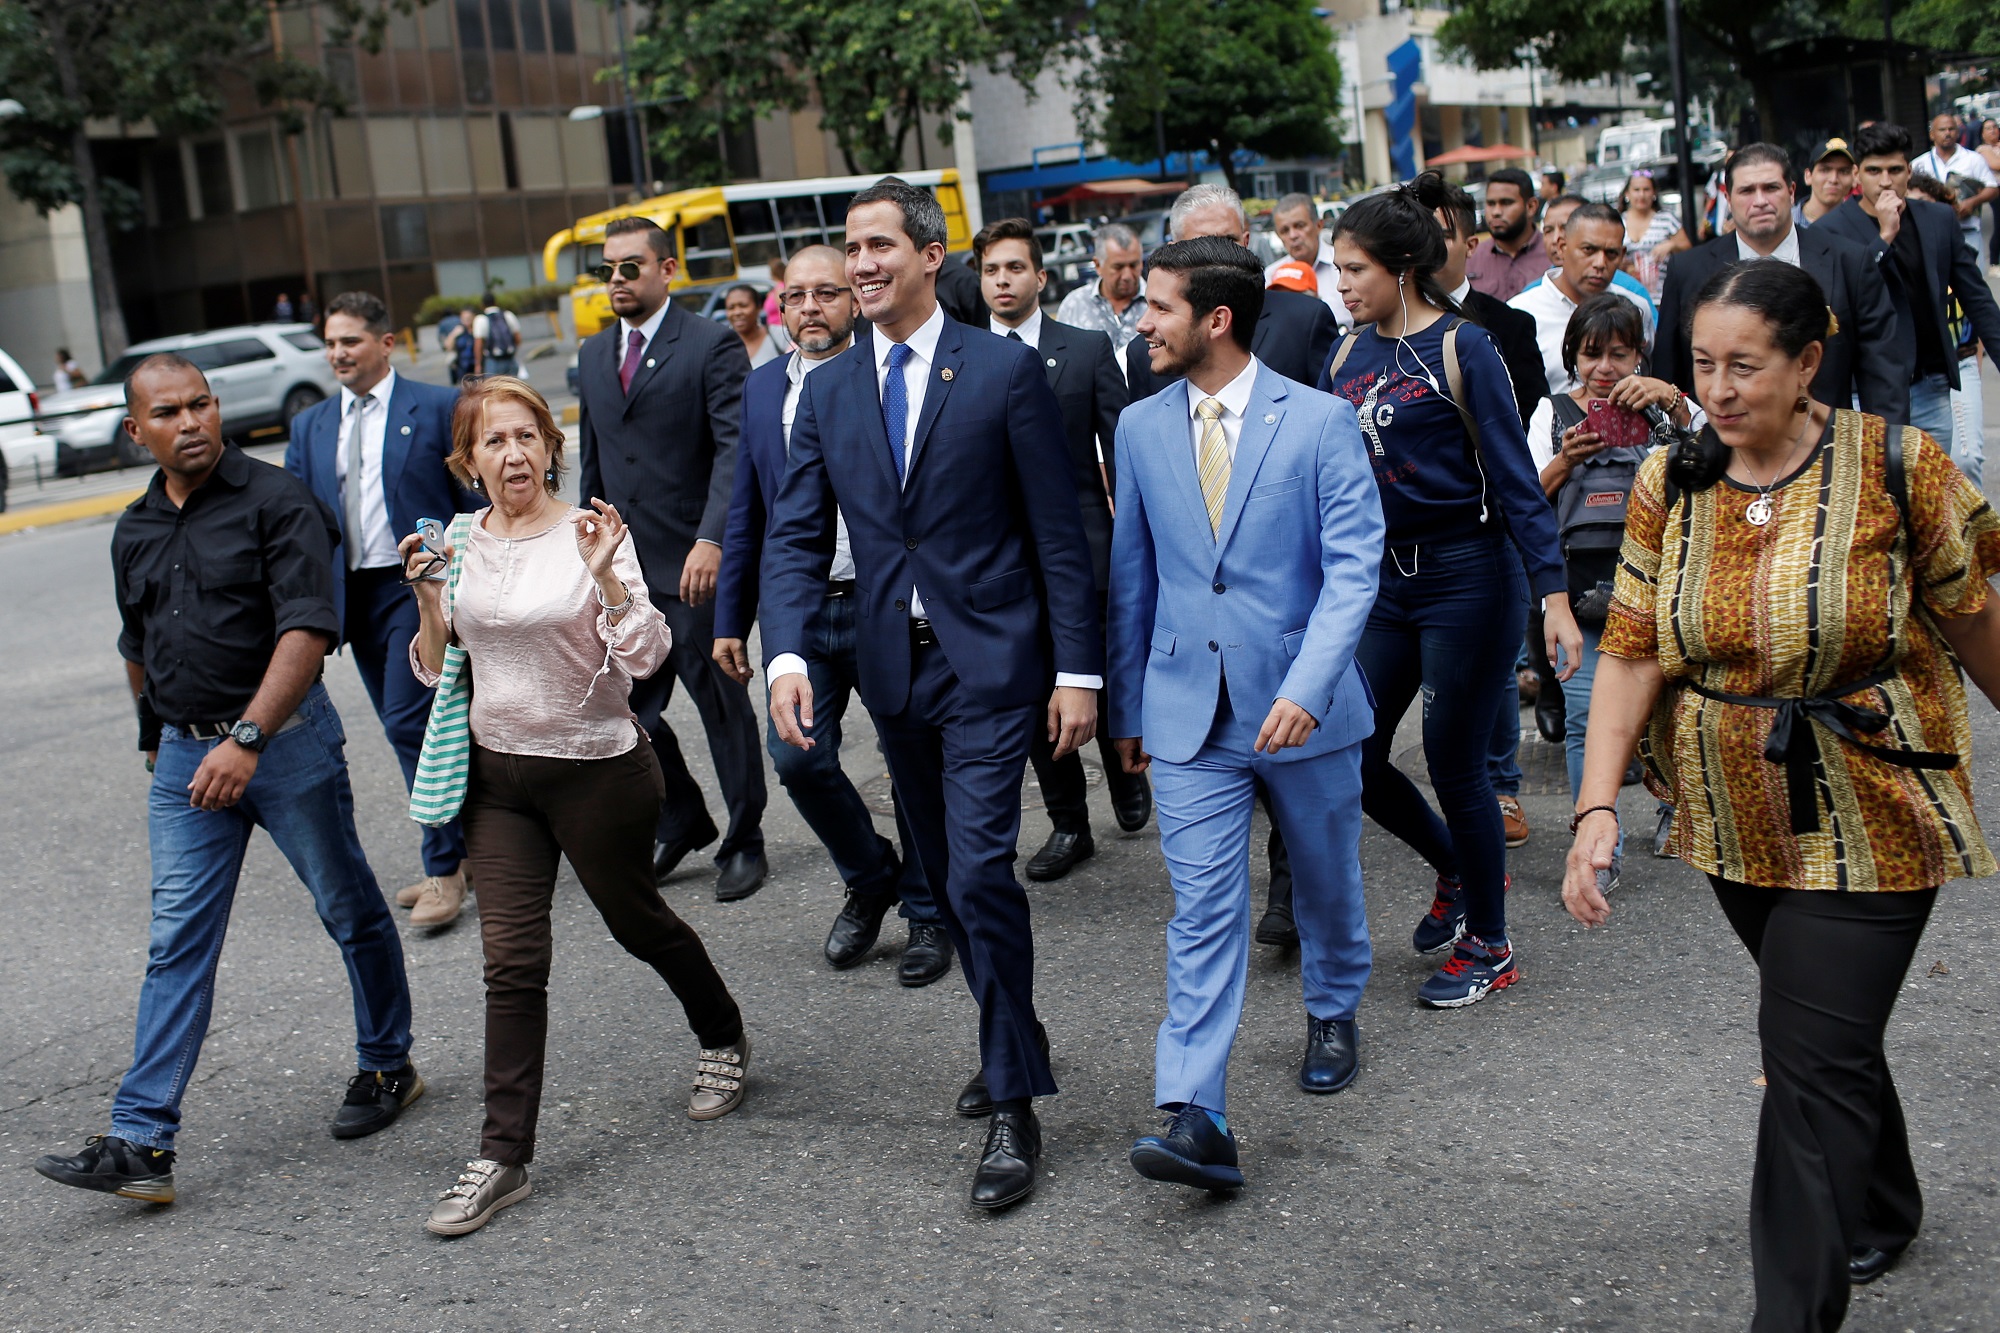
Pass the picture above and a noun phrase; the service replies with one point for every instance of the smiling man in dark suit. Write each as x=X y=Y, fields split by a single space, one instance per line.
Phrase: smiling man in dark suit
x=935 y=443
x=374 y=455
x=1294 y=334
x=1862 y=357
x=1091 y=392
x=660 y=400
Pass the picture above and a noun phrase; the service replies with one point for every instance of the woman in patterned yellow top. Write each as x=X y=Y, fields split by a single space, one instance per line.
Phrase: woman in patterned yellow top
x=1788 y=603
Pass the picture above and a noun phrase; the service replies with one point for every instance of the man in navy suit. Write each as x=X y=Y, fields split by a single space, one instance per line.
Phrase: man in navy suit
x=820 y=313
x=375 y=456
x=1922 y=256
x=1090 y=390
x=942 y=448
x=1243 y=568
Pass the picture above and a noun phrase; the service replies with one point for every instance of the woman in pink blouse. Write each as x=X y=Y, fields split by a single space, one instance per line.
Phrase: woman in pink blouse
x=552 y=612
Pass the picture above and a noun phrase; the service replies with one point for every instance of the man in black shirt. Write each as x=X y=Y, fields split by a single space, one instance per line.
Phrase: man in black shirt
x=225 y=584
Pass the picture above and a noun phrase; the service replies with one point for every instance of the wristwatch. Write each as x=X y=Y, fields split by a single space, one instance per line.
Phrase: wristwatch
x=250 y=736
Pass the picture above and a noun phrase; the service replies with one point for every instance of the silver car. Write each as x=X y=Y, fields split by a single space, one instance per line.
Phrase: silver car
x=263 y=376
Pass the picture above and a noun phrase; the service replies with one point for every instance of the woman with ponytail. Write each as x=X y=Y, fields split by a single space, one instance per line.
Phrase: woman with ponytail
x=1470 y=538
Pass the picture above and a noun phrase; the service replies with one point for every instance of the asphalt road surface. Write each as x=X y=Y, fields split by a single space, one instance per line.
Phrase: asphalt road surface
x=1573 y=1153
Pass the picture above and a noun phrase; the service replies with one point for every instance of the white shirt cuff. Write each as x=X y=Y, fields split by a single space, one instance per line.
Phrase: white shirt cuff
x=786 y=664
x=1069 y=680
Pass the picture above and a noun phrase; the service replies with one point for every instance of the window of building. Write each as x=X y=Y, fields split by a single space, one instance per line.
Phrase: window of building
x=392 y=148
x=447 y=159
x=454 y=231
x=489 y=166
x=500 y=24
x=211 y=173
x=739 y=151
x=478 y=70
x=405 y=32
x=349 y=142
x=533 y=36
x=170 y=197
x=537 y=153
x=262 y=185
x=584 y=166
x=562 y=27
x=406 y=232
x=437 y=25
x=341 y=73
x=471 y=25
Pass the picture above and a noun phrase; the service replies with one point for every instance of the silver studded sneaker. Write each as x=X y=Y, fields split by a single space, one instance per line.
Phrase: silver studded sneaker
x=719 y=1079
x=482 y=1189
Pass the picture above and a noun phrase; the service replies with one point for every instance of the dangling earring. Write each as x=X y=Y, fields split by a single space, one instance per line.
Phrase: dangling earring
x=478 y=485
x=1803 y=405
x=549 y=476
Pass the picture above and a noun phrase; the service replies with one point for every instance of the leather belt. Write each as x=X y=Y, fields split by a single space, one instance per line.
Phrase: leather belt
x=1795 y=744
x=921 y=633
x=215 y=731
x=840 y=587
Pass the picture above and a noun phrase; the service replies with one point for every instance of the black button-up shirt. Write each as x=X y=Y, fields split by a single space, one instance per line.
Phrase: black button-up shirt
x=206 y=590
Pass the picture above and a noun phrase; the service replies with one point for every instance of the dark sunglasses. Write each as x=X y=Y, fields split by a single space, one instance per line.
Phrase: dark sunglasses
x=796 y=297
x=629 y=270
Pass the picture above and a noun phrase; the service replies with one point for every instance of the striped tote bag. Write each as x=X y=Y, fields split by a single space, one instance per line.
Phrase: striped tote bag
x=446 y=758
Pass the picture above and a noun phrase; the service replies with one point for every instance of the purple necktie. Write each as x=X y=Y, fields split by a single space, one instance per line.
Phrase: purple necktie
x=635 y=343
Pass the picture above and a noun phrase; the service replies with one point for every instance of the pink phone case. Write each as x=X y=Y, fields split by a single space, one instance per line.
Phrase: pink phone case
x=1619 y=427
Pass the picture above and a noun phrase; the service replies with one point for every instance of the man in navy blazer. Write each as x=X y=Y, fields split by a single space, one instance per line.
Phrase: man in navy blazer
x=937 y=443
x=1922 y=256
x=375 y=456
x=1243 y=568
x=820 y=314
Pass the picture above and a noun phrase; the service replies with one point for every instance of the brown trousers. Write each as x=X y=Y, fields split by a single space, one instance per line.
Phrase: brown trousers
x=523 y=812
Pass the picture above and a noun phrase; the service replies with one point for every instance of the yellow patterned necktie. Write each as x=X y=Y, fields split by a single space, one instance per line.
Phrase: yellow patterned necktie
x=1212 y=463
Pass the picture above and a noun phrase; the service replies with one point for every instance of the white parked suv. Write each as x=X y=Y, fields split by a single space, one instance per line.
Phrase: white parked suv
x=263 y=375
x=20 y=446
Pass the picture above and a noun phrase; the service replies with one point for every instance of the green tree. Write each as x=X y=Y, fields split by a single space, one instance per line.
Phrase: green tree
x=1218 y=76
x=873 y=67
x=69 y=62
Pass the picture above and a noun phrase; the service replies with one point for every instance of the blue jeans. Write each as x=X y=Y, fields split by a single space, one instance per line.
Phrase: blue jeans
x=1576 y=716
x=300 y=796
x=1503 y=757
x=821 y=790
x=1931 y=409
x=1968 y=447
x=1447 y=621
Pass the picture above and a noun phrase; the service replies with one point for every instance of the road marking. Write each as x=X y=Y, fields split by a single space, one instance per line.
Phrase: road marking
x=68 y=511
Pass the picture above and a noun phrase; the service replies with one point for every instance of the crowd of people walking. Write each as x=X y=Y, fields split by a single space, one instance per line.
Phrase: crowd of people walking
x=1223 y=522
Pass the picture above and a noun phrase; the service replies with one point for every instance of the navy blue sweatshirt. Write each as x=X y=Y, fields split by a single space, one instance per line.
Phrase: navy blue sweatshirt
x=1434 y=484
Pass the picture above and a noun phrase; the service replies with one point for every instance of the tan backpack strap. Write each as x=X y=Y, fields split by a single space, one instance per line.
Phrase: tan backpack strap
x=1454 y=380
x=1340 y=355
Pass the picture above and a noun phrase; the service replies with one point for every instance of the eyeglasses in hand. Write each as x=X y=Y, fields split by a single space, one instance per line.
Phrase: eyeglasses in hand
x=795 y=298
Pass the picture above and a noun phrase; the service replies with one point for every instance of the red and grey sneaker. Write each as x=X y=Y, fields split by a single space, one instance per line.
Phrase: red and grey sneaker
x=1476 y=968
x=1445 y=922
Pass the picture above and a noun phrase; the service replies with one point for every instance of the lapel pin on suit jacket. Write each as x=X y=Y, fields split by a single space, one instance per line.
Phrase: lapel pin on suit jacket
x=945 y=374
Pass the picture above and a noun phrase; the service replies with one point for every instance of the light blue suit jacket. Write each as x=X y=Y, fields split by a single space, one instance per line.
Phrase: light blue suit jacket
x=1273 y=603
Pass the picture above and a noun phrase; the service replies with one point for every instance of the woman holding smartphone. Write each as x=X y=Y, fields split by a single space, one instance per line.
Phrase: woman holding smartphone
x=1470 y=538
x=1581 y=470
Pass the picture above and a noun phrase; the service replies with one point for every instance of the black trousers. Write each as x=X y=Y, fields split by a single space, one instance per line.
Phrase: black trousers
x=734 y=741
x=1833 y=1157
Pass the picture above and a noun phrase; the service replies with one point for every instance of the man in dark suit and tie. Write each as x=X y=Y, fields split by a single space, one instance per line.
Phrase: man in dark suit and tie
x=1921 y=253
x=375 y=456
x=660 y=398
x=1862 y=357
x=935 y=442
x=820 y=314
x=1294 y=334
x=1091 y=392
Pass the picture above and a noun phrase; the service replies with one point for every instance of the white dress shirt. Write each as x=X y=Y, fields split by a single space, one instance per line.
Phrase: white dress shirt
x=1787 y=251
x=376 y=542
x=1963 y=162
x=650 y=328
x=1030 y=330
x=1235 y=400
x=795 y=373
x=916 y=377
x=1551 y=308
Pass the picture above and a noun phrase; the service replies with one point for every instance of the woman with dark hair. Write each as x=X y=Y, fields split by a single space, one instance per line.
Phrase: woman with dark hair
x=545 y=605
x=1460 y=500
x=1588 y=480
x=741 y=307
x=1789 y=599
x=1651 y=232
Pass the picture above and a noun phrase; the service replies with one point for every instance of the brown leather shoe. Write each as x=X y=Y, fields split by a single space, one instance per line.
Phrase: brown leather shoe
x=442 y=899
x=719 y=1080
x=1514 y=820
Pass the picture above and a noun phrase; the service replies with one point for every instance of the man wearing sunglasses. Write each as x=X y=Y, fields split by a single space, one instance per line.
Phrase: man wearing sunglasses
x=820 y=315
x=659 y=399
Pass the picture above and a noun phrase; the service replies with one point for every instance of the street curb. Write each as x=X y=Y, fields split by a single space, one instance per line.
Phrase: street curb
x=68 y=511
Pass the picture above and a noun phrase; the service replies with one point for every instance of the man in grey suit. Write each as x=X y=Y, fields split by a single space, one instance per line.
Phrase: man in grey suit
x=660 y=397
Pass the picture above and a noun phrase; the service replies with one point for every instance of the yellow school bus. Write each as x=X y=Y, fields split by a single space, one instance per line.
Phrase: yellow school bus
x=720 y=230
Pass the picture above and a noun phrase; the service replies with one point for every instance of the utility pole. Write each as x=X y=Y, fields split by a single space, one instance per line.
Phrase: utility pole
x=1684 y=151
x=635 y=131
x=292 y=166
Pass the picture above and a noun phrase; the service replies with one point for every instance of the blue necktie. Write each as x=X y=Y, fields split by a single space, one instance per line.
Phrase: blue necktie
x=896 y=405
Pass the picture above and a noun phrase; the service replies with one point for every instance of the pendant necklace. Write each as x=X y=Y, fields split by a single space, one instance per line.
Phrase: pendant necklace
x=1758 y=513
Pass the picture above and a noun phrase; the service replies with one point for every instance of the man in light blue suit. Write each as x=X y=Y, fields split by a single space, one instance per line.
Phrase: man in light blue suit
x=1243 y=566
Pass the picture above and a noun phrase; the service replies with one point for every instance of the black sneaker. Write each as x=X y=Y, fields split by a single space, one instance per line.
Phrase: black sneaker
x=115 y=1166
x=374 y=1100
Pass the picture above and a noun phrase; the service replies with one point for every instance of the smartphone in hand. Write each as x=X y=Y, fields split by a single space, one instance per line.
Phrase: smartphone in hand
x=431 y=533
x=1618 y=427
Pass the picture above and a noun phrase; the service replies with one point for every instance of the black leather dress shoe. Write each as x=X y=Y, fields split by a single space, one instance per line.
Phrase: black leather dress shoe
x=1333 y=1055
x=976 y=1101
x=668 y=856
x=1191 y=1151
x=1865 y=1263
x=1277 y=928
x=856 y=928
x=926 y=957
x=742 y=874
x=1060 y=855
x=1010 y=1161
x=1131 y=799
x=1551 y=717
